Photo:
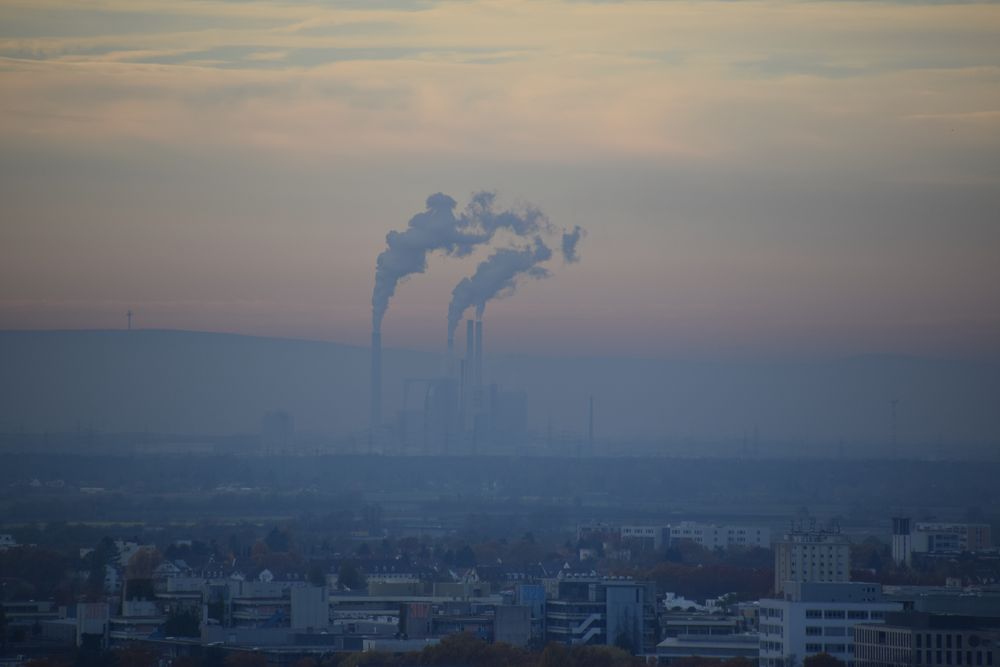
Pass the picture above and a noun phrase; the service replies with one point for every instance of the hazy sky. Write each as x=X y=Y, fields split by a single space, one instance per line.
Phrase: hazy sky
x=758 y=179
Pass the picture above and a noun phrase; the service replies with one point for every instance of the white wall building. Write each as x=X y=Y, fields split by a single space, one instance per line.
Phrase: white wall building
x=811 y=556
x=645 y=537
x=712 y=536
x=817 y=618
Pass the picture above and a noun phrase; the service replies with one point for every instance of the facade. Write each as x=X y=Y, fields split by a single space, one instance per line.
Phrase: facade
x=721 y=647
x=936 y=538
x=712 y=536
x=610 y=611
x=812 y=556
x=902 y=543
x=817 y=618
x=950 y=537
x=928 y=640
x=643 y=538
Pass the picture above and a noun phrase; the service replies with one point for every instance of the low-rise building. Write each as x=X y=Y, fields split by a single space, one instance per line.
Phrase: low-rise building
x=614 y=611
x=712 y=536
x=711 y=647
x=815 y=618
x=928 y=640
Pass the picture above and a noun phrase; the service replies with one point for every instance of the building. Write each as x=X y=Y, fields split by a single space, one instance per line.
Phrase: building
x=712 y=536
x=615 y=611
x=902 y=544
x=929 y=640
x=936 y=538
x=813 y=556
x=643 y=538
x=943 y=538
x=715 y=647
x=815 y=618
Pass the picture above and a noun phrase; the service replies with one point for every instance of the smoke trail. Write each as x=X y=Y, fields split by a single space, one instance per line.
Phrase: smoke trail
x=495 y=277
x=569 y=243
x=437 y=228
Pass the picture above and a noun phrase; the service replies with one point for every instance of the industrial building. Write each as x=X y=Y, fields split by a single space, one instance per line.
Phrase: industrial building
x=458 y=412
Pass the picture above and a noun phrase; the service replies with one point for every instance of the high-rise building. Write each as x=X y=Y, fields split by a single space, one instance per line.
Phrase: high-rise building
x=902 y=544
x=822 y=556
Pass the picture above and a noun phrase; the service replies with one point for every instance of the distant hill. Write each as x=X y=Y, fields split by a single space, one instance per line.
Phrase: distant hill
x=192 y=382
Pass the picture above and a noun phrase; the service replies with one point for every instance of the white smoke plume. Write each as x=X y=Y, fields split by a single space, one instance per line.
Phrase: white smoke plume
x=496 y=277
x=438 y=228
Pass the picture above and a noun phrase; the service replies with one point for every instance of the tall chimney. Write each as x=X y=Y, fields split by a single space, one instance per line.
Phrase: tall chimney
x=479 y=353
x=376 y=381
x=470 y=352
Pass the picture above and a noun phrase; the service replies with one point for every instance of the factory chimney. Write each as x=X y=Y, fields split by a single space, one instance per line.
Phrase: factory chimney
x=470 y=352
x=479 y=354
x=376 y=382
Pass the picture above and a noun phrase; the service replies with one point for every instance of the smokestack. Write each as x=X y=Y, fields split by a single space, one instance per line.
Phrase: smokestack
x=376 y=381
x=470 y=345
x=479 y=353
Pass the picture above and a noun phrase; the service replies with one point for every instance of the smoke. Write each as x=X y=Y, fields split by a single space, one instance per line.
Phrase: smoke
x=496 y=277
x=569 y=242
x=438 y=228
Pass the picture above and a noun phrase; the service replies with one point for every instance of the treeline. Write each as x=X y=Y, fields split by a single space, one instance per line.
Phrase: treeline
x=462 y=650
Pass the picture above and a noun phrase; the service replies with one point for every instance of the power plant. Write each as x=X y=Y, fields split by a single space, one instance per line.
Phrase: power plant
x=458 y=411
x=455 y=413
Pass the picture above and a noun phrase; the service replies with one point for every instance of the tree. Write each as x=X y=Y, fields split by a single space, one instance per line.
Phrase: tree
x=134 y=656
x=278 y=540
x=317 y=574
x=3 y=629
x=245 y=659
x=182 y=624
x=465 y=557
x=822 y=660
x=142 y=563
x=348 y=576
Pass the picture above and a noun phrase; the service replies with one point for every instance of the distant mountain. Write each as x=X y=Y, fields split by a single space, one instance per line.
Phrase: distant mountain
x=193 y=382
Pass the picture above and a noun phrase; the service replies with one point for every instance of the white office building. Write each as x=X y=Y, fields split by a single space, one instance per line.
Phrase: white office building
x=815 y=618
x=713 y=536
x=821 y=556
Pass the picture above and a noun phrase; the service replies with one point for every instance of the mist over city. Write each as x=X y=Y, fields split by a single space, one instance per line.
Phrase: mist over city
x=546 y=334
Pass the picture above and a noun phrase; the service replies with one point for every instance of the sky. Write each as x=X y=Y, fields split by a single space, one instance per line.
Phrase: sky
x=756 y=179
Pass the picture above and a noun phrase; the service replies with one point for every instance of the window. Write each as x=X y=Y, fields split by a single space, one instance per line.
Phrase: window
x=814 y=613
x=834 y=613
x=814 y=648
x=813 y=631
x=838 y=631
x=856 y=615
